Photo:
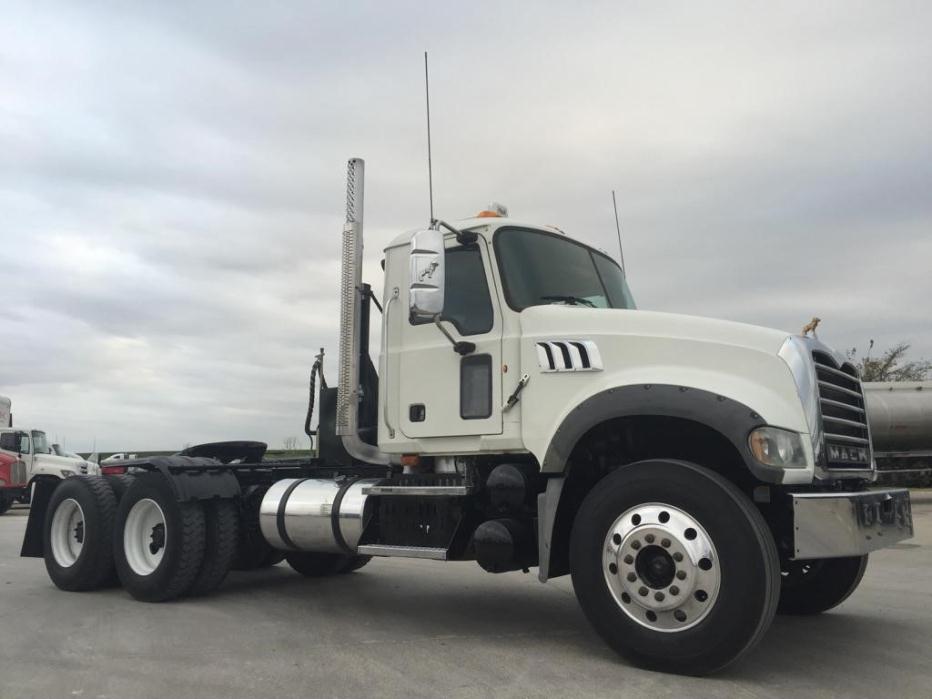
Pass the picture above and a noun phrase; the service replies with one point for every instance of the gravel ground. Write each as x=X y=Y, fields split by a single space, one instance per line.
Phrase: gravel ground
x=425 y=629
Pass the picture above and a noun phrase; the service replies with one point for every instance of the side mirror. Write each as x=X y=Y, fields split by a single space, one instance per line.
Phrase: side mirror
x=425 y=283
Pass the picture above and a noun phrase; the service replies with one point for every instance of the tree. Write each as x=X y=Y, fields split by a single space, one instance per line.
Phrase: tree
x=891 y=365
x=290 y=444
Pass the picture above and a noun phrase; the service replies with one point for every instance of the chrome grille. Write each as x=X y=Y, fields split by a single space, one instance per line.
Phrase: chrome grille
x=19 y=473
x=844 y=420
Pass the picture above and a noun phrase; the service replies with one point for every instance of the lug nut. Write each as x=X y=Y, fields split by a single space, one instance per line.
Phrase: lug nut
x=674 y=590
x=635 y=545
x=677 y=556
x=649 y=538
x=629 y=559
x=681 y=575
x=632 y=577
x=665 y=543
x=659 y=596
x=643 y=592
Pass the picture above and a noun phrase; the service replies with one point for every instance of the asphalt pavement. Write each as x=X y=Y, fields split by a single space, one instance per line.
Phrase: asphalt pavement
x=402 y=628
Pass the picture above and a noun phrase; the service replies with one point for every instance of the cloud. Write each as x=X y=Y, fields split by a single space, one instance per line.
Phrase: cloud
x=171 y=180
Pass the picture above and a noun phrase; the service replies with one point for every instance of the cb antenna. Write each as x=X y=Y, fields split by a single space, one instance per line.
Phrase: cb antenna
x=430 y=172
x=621 y=252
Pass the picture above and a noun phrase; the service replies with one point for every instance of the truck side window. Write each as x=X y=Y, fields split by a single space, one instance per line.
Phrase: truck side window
x=467 y=303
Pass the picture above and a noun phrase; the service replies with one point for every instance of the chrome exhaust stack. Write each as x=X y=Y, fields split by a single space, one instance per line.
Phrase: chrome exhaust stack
x=349 y=392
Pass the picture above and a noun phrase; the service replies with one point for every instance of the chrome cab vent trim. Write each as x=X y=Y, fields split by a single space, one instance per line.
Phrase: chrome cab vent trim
x=568 y=355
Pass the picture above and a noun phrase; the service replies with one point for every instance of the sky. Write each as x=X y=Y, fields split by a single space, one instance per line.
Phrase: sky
x=172 y=180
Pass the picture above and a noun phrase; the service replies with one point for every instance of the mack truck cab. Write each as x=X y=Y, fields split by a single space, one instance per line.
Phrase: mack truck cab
x=693 y=476
x=30 y=458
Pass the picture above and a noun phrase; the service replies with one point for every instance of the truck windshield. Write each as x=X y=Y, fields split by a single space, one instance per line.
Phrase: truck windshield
x=540 y=268
x=40 y=443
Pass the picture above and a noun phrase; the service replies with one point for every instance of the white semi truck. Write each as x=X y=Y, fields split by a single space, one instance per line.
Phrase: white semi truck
x=692 y=476
x=25 y=455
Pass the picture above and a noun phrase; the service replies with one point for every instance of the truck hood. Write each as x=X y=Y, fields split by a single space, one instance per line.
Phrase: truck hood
x=581 y=321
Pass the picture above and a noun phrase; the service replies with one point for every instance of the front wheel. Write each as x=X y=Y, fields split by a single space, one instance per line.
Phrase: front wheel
x=815 y=586
x=674 y=567
x=6 y=501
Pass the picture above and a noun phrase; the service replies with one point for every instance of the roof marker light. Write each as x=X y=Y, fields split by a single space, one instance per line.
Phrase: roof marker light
x=494 y=210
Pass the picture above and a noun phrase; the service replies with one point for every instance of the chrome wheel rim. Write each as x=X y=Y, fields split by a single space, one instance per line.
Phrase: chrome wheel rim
x=67 y=533
x=661 y=567
x=144 y=536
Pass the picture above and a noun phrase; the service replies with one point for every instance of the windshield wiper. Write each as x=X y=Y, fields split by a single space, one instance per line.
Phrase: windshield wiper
x=571 y=300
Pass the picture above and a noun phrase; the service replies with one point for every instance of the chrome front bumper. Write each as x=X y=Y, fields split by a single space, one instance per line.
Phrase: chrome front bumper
x=833 y=525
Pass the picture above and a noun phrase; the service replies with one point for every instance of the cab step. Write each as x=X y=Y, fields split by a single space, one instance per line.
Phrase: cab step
x=436 y=554
x=418 y=490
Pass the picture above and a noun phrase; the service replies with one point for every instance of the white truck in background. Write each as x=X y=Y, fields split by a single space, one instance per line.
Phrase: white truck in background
x=692 y=476
x=26 y=456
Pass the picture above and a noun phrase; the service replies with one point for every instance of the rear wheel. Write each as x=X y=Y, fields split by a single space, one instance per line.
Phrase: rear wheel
x=674 y=567
x=355 y=563
x=159 y=542
x=78 y=534
x=252 y=550
x=222 y=520
x=812 y=587
x=318 y=565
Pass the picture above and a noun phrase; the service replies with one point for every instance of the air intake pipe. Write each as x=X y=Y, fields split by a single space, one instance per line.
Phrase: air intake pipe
x=349 y=392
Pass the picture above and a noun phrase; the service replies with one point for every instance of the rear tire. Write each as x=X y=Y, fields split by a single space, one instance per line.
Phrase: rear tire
x=252 y=550
x=318 y=565
x=77 y=535
x=119 y=484
x=355 y=563
x=159 y=542
x=222 y=519
x=674 y=567
x=812 y=587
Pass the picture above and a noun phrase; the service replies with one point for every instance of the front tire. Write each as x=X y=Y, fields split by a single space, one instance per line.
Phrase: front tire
x=6 y=501
x=815 y=586
x=78 y=534
x=674 y=567
x=159 y=542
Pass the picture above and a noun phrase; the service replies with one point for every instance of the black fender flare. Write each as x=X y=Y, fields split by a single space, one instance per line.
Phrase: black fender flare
x=730 y=418
x=193 y=477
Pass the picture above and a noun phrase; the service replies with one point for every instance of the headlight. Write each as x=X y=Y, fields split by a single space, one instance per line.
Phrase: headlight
x=775 y=447
x=795 y=352
x=66 y=474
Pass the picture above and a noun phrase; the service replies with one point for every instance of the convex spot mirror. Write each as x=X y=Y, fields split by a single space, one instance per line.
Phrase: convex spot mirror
x=425 y=283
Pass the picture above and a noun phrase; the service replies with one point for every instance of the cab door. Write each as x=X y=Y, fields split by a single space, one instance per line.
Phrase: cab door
x=443 y=393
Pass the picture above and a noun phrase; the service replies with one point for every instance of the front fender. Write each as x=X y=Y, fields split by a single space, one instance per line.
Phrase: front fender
x=730 y=418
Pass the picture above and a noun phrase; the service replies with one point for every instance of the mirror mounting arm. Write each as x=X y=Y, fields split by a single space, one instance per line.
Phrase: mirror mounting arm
x=462 y=237
x=461 y=347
